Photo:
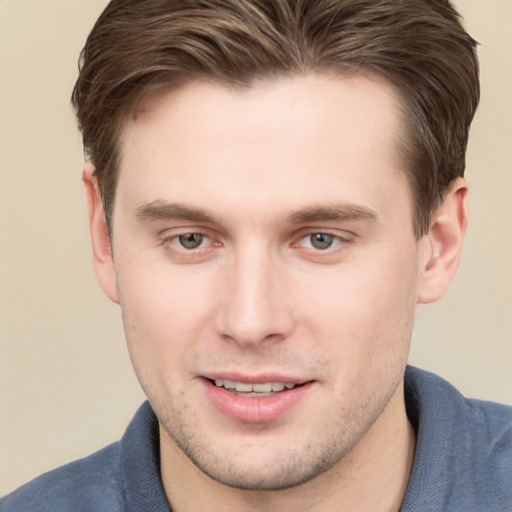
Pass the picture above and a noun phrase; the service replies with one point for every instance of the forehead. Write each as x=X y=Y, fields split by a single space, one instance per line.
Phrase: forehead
x=206 y=106
x=279 y=139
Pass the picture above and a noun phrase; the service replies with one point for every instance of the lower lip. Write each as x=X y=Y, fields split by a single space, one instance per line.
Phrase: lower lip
x=255 y=409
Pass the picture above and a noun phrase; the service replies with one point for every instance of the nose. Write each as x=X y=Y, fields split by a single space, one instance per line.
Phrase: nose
x=255 y=306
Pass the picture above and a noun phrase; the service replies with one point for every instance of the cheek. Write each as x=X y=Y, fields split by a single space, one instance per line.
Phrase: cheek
x=366 y=310
x=163 y=315
x=361 y=294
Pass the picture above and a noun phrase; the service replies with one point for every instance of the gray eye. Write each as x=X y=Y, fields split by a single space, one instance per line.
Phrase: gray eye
x=321 y=240
x=191 y=240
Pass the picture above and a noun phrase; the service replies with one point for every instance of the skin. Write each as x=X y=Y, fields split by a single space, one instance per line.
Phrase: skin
x=257 y=173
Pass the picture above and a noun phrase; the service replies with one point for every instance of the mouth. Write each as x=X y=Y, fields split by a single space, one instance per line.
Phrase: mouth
x=255 y=390
x=257 y=402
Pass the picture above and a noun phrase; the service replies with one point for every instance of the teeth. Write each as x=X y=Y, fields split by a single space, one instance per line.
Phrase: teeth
x=279 y=386
x=262 y=388
x=244 y=387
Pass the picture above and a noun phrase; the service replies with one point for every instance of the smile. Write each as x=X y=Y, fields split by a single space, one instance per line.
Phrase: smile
x=256 y=402
x=254 y=390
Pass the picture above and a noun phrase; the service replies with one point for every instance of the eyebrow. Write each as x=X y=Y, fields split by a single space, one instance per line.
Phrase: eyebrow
x=342 y=212
x=160 y=210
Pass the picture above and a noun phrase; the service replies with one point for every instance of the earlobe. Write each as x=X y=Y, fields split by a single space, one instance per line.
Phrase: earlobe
x=100 y=237
x=443 y=244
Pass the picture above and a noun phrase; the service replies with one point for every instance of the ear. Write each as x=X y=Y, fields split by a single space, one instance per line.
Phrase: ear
x=100 y=239
x=443 y=244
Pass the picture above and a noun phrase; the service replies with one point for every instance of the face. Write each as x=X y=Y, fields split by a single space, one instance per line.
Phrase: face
x=267 y=271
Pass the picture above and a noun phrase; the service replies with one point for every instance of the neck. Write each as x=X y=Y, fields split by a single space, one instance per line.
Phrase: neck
x=372 y=477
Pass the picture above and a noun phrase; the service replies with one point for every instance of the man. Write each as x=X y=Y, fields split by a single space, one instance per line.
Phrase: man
x=272 y=187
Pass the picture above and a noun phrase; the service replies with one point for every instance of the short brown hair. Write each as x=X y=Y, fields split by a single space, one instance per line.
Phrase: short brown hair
x=139 y=47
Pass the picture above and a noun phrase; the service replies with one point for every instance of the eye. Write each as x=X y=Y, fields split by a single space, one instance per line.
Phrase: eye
x=190 y=246
x=320 y=241
x=191 y=241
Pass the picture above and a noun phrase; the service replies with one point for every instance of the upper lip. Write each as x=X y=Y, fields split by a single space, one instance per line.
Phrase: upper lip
x=255 y=379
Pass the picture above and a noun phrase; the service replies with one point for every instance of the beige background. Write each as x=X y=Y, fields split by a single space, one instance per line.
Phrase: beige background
x=66 y=385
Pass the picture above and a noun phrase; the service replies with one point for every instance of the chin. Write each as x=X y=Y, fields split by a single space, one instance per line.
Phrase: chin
x=283 y=468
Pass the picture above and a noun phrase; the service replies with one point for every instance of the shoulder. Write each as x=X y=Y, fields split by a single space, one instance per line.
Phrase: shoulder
x=430 y=398
x=124 y=475
x=463 y=457
x=487 y=433
x=493 y=422
x=92 y=483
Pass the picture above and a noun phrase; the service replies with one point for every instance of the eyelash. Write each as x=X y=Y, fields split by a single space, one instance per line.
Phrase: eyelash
x=335 y=239
x=172 y=244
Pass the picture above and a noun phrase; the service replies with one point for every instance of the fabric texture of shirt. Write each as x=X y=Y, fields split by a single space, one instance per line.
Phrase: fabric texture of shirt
x=462 y=463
